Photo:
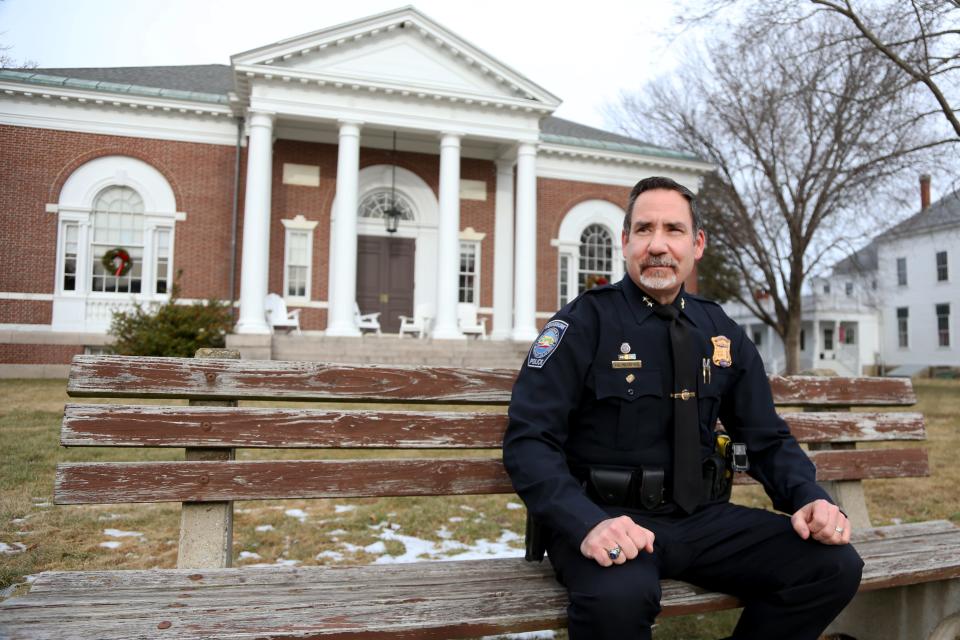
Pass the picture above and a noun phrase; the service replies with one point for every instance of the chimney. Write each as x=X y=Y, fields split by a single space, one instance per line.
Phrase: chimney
x=924 y=191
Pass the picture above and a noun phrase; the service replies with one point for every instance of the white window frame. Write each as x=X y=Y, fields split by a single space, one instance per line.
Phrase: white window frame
x=937 y=316
x=904 y=281
x=470 y=236
x=903 y=343
x=567 y=242
x=946 y=266
x=297 y=225
x=89 y=311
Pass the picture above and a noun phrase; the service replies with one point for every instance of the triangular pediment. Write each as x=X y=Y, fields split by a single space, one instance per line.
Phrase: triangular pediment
x=401 y=49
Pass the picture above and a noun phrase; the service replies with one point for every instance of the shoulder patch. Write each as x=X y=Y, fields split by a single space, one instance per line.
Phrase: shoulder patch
x=546 y=343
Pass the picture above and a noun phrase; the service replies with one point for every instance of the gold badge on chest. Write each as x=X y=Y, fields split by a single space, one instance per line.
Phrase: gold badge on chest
x=721 y=351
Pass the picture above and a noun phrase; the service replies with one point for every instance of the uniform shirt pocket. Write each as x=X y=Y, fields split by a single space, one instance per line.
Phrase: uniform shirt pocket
x=639 y=393
x=709 y=392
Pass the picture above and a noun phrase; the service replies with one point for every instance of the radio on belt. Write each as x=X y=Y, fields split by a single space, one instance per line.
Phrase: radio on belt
x=740 y=462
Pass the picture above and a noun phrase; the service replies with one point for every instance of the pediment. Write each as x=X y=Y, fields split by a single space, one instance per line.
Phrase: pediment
x=402 y=49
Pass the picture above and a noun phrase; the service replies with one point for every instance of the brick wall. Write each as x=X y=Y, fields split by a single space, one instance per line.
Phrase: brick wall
x=201 y=176
x=554 y=199
x=38 y=353
x=25 y=311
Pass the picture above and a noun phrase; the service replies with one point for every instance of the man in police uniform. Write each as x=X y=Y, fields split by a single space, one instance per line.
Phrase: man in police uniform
x=611 y=445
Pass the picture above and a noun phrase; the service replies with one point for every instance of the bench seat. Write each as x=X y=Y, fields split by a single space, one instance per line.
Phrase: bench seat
x=419 y=600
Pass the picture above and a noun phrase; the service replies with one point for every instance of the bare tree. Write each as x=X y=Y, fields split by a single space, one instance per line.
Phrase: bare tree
x=803 y=125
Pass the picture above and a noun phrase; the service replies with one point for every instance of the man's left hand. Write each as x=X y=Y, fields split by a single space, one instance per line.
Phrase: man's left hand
x=823 y=521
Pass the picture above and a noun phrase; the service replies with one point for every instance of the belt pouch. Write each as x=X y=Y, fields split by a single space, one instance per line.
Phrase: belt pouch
x=651 y=488
x=612 y=486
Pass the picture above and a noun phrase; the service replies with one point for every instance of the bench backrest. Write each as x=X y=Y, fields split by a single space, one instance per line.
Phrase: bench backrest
x=442 y=408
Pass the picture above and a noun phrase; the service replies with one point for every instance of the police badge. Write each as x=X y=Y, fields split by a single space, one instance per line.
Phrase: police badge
x=721 y=351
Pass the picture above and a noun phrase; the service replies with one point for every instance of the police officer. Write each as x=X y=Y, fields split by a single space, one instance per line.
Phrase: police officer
x=611 y=445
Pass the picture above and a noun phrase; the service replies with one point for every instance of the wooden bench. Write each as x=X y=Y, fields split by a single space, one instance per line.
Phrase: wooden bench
x=205 y=598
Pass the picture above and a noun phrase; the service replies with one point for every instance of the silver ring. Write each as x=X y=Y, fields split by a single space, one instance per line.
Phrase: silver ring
x=614 y=553
x=839 y=529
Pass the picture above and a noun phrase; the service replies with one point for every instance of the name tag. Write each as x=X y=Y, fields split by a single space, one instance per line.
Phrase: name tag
x=626 y=364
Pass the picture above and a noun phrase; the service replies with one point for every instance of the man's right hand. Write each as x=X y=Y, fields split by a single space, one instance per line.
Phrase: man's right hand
x=622 y=531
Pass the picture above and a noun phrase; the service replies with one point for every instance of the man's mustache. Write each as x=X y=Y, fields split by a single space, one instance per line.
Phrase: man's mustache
x=659 y=261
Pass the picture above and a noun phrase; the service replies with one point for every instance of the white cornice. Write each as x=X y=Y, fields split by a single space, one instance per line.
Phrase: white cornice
x=619 y=157
x=100 y=98
x=247 y=74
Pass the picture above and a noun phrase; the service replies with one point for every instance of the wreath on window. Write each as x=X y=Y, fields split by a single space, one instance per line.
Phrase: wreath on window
x=117 y=261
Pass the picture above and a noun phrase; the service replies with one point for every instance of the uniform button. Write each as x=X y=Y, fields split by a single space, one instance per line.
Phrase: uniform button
x=630 y=391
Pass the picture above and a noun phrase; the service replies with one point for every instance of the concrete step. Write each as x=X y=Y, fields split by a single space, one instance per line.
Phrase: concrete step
x=392 y=350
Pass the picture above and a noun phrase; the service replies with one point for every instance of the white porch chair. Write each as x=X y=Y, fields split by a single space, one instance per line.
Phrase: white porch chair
x=419 y=322
x=467 y=319
x=278 y=317
x=366 y=321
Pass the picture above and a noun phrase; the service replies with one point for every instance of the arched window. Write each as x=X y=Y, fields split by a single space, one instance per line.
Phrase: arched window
x=375 y=205
x=596 y=257
x=117 y=224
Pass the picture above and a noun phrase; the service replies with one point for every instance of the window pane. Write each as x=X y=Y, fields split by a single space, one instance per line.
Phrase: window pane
x=903 y=315
x=468 y=272
x=70 y=234
x=564 y=279
x=596 y=257
x=902 y=272
x=942 y=274
x=828 y=339
x=117 y=224
x=162 y=267
x=943 y=324
x=376 y=205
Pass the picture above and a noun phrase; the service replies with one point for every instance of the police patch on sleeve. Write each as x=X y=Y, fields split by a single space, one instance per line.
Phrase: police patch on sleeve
x=546 y=343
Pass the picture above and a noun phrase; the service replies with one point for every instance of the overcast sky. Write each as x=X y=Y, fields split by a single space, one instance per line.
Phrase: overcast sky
x=583 y=52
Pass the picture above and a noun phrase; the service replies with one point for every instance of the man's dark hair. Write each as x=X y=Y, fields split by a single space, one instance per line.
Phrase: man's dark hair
x=659 y=182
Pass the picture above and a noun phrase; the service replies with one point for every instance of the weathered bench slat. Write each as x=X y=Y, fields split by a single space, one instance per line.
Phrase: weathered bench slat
x=116 y=482
x=425 y=600
x=123 y=376
x=160 y=426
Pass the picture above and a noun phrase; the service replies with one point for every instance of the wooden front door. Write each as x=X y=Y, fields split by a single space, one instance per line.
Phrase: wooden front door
x=385 y=278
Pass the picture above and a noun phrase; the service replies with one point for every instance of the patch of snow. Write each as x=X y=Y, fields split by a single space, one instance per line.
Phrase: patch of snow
x=351 y=548
x=466 y=508
x=514 y=505
x=282 y=562
x=299 y=514
x=107 y=516
x=336 y=556
x=263 y=527
x=376 y=548
x=10 y=549
x=110 y=544
x=18 y=521
x=249 y=555
x=117 y=533
x=42 y=505
x=336 y=532
x=455 y=519
x=343 y=508
x=444 y=533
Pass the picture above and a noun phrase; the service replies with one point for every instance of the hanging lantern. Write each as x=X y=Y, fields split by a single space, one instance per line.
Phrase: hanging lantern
x=392 y=214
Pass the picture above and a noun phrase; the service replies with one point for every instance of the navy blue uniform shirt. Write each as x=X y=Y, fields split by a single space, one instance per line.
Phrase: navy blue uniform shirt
x=573 y=406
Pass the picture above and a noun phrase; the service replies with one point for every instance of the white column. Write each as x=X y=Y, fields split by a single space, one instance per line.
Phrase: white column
x=448 y=241
x=255 y=258
x=503 y=253
x=343 y=240
x=525 y=266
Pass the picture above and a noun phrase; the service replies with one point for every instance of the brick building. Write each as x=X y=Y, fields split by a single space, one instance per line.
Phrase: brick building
x=273 y=175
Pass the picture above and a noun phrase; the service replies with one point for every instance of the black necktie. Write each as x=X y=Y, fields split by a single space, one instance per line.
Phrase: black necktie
x=687 y=474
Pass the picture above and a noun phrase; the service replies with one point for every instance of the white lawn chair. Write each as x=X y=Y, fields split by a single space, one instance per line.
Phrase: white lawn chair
x=467 y=319
x=278 y=317
x=419 y=322
x=366 y=321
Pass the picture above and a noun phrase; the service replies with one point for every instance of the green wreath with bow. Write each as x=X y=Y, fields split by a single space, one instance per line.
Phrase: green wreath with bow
x=117 y=261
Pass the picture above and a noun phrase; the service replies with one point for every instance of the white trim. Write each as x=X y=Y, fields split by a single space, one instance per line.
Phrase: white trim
x=298 y=225
x=16 y=295
x=24 y=105
x=471 y=235
x=476 y=267
x=599 y=166
x=576 y=220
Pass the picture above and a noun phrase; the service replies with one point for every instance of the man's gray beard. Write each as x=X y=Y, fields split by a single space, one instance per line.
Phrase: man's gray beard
x=658 y=284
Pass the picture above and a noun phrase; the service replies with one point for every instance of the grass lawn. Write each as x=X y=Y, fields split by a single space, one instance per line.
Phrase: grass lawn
x=37 y=536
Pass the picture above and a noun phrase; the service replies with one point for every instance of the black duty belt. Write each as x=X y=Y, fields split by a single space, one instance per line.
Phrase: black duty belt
x=644 y=487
